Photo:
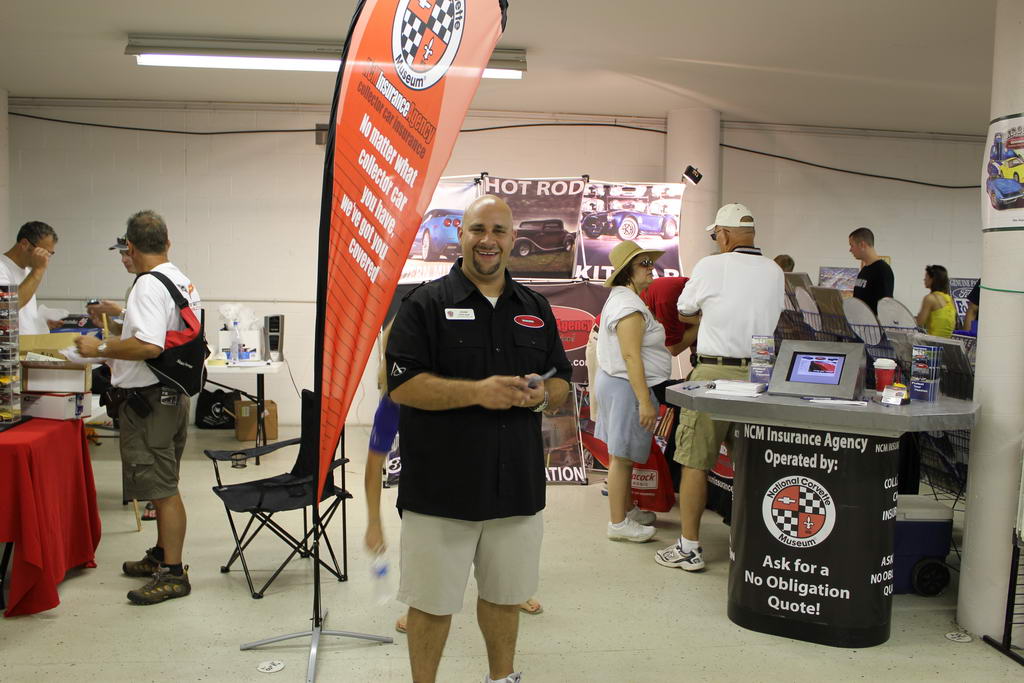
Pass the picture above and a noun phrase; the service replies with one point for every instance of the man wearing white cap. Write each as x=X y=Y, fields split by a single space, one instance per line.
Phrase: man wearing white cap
x=731 y=296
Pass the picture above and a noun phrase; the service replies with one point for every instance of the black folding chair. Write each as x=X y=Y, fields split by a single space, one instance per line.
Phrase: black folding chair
x=263 y=498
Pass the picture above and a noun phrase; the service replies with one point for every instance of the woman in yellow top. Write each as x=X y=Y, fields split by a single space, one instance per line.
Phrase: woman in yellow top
x=938 y=314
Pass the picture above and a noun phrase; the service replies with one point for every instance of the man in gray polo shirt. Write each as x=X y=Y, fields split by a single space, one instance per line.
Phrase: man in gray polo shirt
x=732 y=296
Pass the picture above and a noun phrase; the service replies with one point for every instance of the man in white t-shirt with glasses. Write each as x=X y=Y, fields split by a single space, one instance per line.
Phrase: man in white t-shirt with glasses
x=732 y=296
x=153 y=418
x=24 y=266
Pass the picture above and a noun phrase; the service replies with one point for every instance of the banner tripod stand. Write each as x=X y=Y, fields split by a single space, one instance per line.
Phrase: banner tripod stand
x=319 y=618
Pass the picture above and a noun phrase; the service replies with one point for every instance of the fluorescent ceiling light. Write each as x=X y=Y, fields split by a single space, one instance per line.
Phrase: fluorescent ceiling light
x=268 y=55
x=508 y=74
x=226 y=62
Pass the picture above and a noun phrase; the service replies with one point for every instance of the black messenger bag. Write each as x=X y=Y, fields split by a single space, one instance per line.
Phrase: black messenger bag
x=182 y=365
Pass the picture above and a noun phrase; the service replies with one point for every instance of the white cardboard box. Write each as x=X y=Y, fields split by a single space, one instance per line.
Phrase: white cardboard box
x=55 y=378
x=57 y=406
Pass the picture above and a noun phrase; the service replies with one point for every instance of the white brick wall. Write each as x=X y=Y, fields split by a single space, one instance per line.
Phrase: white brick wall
x=243 y=210
x=809 y=212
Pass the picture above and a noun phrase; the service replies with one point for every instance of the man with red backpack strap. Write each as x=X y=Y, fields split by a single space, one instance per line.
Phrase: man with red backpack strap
x=153 y=417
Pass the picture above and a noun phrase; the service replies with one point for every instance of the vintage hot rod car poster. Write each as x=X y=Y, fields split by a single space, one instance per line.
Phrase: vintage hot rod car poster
x=545 y=212
x=645 y=213
x=1003 y=176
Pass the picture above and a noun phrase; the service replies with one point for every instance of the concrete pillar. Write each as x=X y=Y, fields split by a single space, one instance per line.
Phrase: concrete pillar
x=5 y=174
x=994 y=469
x=693 y=138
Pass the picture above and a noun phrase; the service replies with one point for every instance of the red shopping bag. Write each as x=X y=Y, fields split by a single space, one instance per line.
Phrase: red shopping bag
x=652 y=482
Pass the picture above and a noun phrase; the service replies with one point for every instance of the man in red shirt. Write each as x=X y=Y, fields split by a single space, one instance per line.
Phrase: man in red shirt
x=661 y=297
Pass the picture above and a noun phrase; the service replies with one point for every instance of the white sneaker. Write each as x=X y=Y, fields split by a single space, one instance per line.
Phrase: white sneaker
x=673 y=556
x=629 y=530
x=643 y=517
x=514 y=677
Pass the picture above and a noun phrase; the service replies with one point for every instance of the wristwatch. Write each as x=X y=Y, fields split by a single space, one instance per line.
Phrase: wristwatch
x=101 y=349
x=543 y=405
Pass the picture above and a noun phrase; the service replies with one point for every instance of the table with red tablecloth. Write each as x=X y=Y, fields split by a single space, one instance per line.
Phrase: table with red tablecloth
x=47 y=509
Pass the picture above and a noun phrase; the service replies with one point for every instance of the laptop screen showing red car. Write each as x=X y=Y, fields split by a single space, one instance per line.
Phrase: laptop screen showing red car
x=816 y=369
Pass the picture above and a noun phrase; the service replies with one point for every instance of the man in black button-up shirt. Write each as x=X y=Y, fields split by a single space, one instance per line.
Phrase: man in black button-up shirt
x=462 y=353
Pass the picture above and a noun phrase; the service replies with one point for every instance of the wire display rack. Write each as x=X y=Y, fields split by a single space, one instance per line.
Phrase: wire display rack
x=1014 y=617
x=944 y=455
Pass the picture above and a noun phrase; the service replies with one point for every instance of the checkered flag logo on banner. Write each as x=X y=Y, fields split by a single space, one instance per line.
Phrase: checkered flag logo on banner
x=425 y=37
x=798 y=512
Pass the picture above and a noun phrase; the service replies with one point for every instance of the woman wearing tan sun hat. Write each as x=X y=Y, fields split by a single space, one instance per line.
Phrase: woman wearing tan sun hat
x=632 y=358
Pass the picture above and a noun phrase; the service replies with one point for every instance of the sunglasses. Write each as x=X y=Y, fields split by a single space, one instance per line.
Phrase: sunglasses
x=646 y=263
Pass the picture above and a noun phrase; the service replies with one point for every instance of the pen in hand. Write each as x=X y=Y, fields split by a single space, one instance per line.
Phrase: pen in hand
x=533 y=381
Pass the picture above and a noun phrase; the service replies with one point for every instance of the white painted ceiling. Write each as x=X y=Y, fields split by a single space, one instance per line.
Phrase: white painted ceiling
x=918 y=65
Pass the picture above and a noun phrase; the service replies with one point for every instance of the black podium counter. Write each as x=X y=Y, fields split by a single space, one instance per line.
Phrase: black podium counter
x=814 y=509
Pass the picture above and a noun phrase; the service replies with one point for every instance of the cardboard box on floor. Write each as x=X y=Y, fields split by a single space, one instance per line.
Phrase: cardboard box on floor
x=245 y=420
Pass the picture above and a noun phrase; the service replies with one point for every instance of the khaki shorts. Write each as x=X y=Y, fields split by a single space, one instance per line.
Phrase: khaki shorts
x=151 y=446
x=437 y=553
x=698 y=437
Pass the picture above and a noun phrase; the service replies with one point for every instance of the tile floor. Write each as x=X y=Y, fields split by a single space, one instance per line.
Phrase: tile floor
x=611 y=613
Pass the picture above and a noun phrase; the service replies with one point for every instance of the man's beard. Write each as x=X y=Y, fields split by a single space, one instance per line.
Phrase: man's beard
x=484 y=271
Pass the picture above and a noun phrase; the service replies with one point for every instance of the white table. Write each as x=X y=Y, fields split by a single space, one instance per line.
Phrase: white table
x=248 y=368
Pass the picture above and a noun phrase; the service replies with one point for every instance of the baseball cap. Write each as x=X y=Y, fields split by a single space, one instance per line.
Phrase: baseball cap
x=121 y=244
x=730 y=216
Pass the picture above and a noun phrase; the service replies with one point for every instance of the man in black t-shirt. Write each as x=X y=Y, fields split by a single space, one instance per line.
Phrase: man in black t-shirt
x=875 y=280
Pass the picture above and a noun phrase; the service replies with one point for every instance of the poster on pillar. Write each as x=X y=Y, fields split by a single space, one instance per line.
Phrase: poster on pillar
x=1003 y=176
x=612 y=212
x=545 y=213
x=436 y=244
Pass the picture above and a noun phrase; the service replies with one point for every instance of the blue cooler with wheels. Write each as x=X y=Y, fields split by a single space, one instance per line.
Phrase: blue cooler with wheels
x=924 y=530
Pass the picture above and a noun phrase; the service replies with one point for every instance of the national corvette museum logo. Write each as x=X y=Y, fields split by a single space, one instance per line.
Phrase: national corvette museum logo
x=425 y=38
x=798 y=512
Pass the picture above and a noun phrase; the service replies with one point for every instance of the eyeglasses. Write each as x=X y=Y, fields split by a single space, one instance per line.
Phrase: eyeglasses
x=36 y=246
x=646 y=263
x=714 y=235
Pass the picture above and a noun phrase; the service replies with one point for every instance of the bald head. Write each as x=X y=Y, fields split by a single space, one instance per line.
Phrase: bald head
x=487 y=202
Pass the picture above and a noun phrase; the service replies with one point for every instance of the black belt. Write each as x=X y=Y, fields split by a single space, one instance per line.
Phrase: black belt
x=149 y=387
x=723 y=360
